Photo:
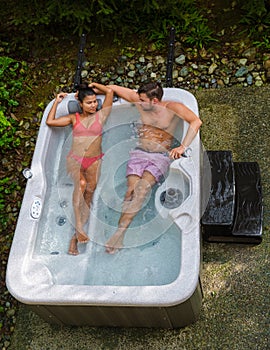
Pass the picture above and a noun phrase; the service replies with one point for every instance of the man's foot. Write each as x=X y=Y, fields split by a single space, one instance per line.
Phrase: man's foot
x=73 y=247
x=115 y=243
x=82 y=237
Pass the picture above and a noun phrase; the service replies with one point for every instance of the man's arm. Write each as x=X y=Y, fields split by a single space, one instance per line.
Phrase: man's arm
x=195 y=123
x=123 y=92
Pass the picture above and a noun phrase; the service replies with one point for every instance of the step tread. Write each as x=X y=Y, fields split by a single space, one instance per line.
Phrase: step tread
x=220 y=207
x=249 y=208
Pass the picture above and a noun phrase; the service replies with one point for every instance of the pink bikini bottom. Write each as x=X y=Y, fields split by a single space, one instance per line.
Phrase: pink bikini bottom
x=85 y=161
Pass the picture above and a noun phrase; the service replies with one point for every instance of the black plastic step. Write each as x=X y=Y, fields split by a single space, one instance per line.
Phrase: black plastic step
x=219 y=213
x=248 y=212
x=249 y=203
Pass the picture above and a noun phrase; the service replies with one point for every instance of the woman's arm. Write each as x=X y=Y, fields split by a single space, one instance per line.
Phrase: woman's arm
x=108 y=101
x=62 y=121
x=104 y=90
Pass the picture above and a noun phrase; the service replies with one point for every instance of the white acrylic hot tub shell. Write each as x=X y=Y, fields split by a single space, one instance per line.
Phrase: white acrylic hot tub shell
x=171 y=305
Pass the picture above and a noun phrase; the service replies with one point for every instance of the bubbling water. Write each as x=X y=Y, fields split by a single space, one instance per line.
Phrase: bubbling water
x=148 y=240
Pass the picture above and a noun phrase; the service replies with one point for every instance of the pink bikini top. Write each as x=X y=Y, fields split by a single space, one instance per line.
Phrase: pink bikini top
x=80 y=130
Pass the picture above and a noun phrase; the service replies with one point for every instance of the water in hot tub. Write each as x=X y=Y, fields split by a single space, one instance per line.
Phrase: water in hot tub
x=152 y=247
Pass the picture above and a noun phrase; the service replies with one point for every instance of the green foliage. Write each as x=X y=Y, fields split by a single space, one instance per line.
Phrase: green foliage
x=7 y=133
x=263 y=43
x=256 y=18
x=7 y=188
x=187 y=20
x=11 y=82
x=151 y=18
x=11 y=87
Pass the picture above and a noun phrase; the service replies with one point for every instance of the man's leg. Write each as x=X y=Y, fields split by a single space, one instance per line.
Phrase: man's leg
x=137 y=191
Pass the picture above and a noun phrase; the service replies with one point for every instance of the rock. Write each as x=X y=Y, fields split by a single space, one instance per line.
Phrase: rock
x=251 y=67
x=268 y=74
x=142 y=59
x=175 y=74
x=212 y=68
x=242 y=61
x=226 y=80
x=241 y=72
x=178 y=49
x=258 y=83
x=120 y=70
x=123 y=58
x=180 y=59
x=86 y=64
x=220 y=82
x=184 y=72
x=224 y=60
x=249 y=79
x=104 y=80
x=250 y=53
x=160 y=60
x=266 y=64
x=119 y=80
x=131 y=73
x=84 y=73
x=10 y=312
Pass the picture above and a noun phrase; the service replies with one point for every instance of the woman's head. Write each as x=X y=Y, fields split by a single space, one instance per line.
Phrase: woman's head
x=87 y=98
x=84 y=90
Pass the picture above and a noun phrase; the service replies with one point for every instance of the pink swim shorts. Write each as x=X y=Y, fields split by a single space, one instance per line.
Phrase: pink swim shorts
x=155 y=163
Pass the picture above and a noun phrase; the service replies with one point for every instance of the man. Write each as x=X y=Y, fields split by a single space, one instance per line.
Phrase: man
x=151 y=159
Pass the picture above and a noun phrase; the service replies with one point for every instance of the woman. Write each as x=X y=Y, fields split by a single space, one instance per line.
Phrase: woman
x=84 y=158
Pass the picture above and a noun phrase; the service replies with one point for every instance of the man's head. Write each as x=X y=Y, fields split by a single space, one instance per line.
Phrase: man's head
x=152 y=90
x=150 y=94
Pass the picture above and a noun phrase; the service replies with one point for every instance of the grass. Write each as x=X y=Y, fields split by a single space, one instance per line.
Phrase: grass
x=235 y=278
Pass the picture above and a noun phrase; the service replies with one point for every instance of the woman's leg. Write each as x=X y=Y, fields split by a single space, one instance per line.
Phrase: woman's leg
x=78 y=205
x=73 y=246
x=74 y=168
x=91 y=176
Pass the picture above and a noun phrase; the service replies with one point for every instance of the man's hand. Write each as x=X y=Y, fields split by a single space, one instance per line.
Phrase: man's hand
x=177 y=152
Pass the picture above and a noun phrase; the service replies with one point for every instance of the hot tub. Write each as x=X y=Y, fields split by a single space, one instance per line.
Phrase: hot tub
x=154 y=281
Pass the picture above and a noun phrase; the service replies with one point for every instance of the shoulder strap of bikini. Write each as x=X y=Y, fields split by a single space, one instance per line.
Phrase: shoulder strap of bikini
x=77 y=117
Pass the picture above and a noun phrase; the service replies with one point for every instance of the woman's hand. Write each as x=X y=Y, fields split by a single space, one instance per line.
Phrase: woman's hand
x=59 y=97
x=98 y=88
x=61 y=121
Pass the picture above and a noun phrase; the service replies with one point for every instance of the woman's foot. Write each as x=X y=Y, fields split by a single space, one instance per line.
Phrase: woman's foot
x=73 y=246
